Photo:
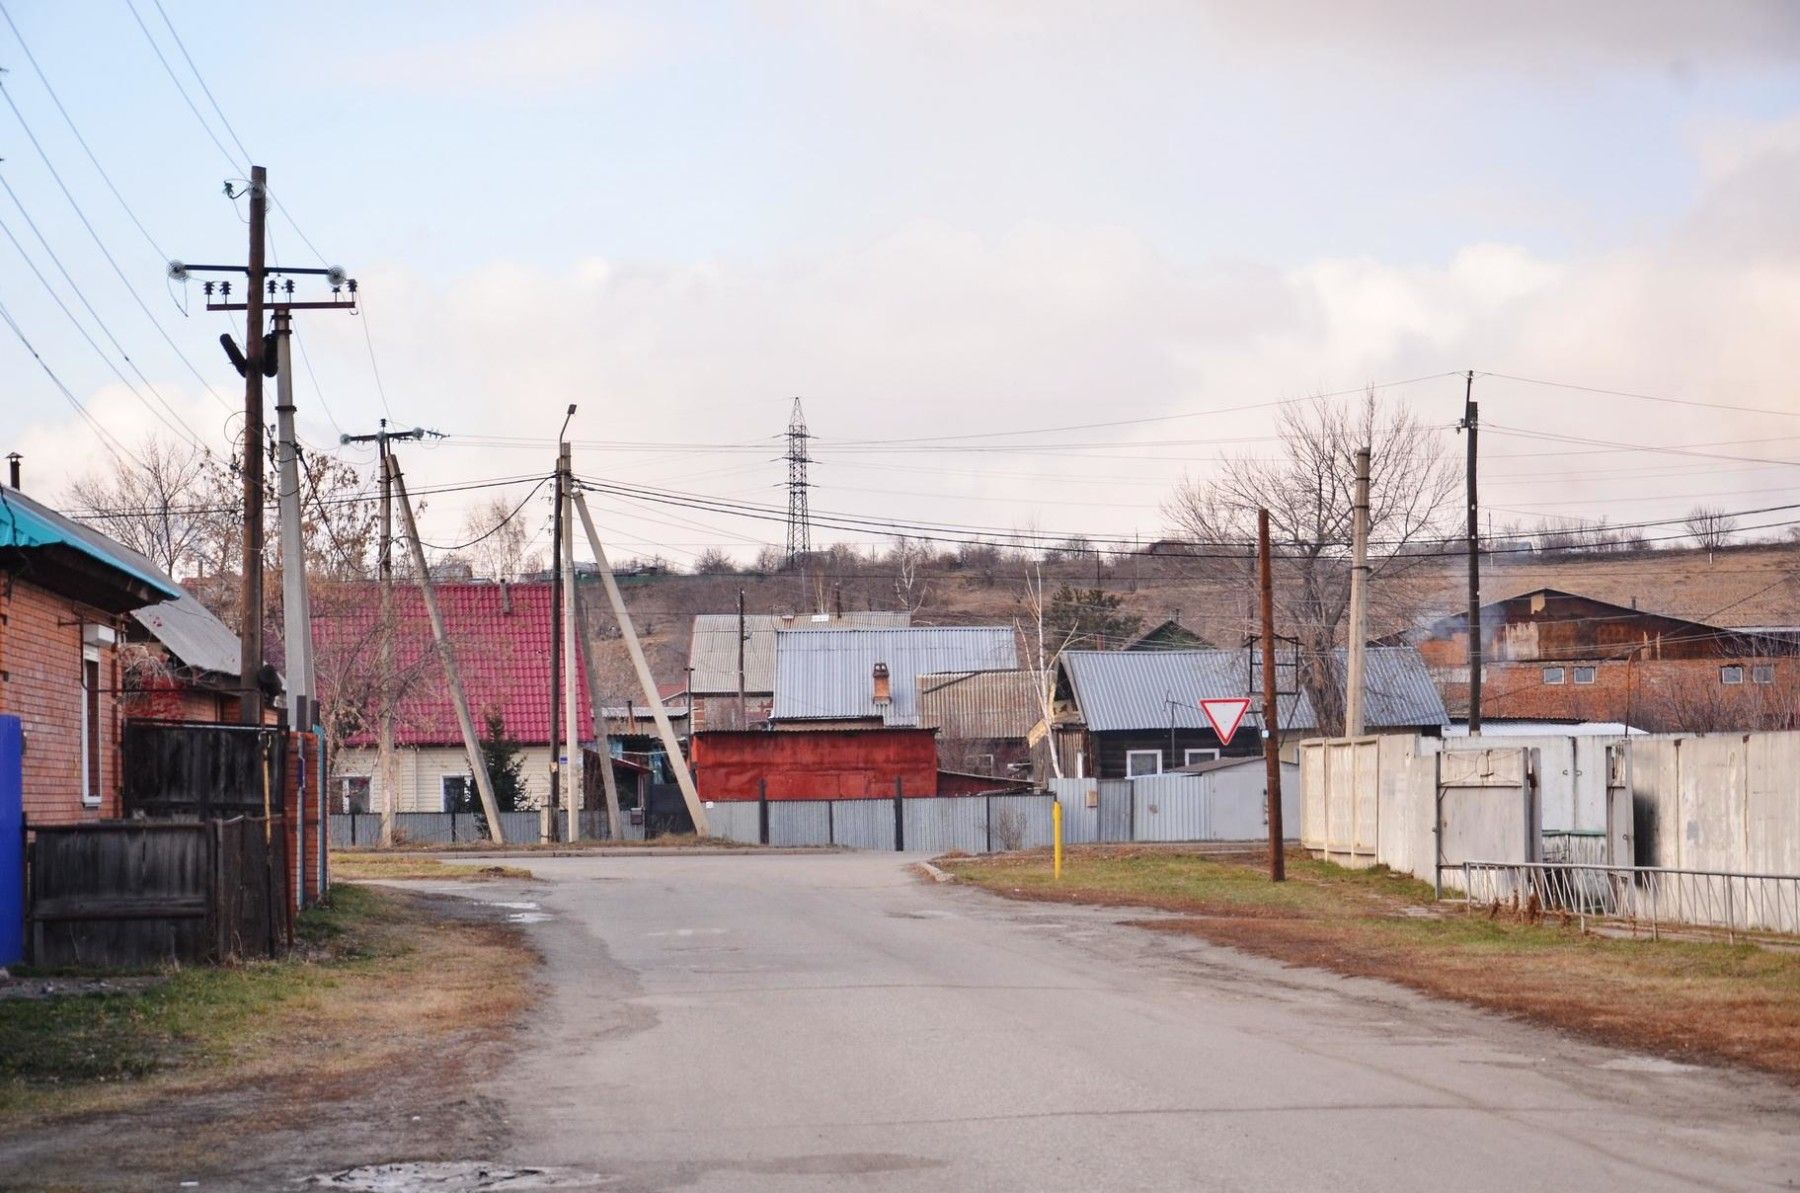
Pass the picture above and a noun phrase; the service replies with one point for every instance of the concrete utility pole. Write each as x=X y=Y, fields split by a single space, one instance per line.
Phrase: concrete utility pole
x=743 y=717
x=683 y=777
x=471 y=743
x=1470 y=422
x=1271 y=706
x=559 y=488
x=609 y=782
x=572 y=784
x=296 y=607
x=386 y=761
x=1355 y=682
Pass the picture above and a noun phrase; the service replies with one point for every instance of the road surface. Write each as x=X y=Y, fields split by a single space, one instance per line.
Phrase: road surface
x=831 y=1021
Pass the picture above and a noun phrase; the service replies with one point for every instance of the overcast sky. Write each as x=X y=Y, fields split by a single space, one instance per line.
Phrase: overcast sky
x=931 y=219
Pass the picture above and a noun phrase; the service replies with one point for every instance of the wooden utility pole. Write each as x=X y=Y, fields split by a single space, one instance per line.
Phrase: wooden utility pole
x=602 y=739
x=571 y=782
x=250 y=646
x=1355 y=682
x=683 y=777
x=1470 y=422
x=452 y=677
x=387 y=762
x=1271 y=708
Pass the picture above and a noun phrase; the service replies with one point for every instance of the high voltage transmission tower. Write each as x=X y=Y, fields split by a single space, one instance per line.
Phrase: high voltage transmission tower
x=799 y=519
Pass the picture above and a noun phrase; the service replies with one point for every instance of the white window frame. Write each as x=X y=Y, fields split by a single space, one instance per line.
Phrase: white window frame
x=1593 y=673
x=1134 y=774
x=344 y=782
x=1205 y=754
x=444 y=802
x=1762 y=673
x=1561 y=674
x=1727 y=673
x=90 y=795
x=984 y=764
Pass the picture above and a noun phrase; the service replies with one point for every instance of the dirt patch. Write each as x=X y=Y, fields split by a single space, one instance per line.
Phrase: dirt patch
x=364 y=1050
x=1687 y=1000
x=351 y=867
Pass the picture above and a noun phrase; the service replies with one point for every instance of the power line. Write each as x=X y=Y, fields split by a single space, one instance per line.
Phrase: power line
x=1619 y=393
x=186 y=98
x=106 y=440
x=199 y=78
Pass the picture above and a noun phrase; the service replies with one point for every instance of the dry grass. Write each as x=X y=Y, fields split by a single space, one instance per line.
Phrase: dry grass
x=383 y=984
x=667 y=841
x=352 y=866
x=1685 y=999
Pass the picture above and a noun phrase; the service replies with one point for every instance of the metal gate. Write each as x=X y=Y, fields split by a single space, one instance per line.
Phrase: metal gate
x=1115 y=810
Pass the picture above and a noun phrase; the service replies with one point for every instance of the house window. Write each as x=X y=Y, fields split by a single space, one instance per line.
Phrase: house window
x=1763 y=673
x=456 y=793
x=1142 y=762
x=1553 y=675
x=984 y=764
x=1584 y=675
x=1731 y=675
x=355 y=792
x=90 y=727
x=1189 y=757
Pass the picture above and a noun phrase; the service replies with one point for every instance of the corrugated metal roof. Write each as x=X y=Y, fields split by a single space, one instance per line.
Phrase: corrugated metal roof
x=1141 y=689
x=27 y=524
x=1398 y=689
x=192 y=634
x=712 y=651
x=981 y=704
x=827 y=674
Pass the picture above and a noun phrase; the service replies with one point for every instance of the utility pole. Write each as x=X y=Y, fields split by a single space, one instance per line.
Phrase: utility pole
x=572 y=785
x=250 y=647
x=1271 y=708
x=1470 y=422
x=683 y=777
x=484 y=783
x=609 y=782
x=296 y=609
x=1354 y=682
x=743 y=717
x=553 y=807
x=386 y=761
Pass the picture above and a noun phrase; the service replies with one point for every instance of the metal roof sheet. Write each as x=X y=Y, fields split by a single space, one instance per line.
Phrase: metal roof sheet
x=191 y=633
x=981 y=704
x=713 y=652
x=26 y=523
x=827 y=674
x=1143 y=689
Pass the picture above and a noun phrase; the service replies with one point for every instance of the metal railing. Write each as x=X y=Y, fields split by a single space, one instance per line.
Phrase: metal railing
x=1643 y=896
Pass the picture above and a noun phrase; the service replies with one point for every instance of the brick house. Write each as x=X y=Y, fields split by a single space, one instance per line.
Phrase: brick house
x=1549 y=655
x=65 y=593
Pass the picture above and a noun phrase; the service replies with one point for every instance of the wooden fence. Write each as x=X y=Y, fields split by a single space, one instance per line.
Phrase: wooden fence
x=200 y=770
x=131 y=894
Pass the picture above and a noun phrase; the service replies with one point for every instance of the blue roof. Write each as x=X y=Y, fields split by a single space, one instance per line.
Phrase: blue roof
x=27 y=525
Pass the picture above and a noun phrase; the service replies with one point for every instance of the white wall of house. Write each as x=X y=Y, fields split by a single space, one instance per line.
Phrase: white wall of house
x=421 y=771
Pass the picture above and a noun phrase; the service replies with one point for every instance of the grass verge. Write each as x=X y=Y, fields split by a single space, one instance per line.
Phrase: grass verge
x=352 y=866
x=667 y=841
x=1684 y=999
x=378 y=979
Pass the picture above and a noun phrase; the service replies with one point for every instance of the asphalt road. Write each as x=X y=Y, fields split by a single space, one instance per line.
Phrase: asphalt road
x=830 y=1021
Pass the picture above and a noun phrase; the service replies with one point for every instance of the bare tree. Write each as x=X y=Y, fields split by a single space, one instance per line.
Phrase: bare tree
x=1712 y=528
x=1307 y=488
x=164 y=508
x=1047 y=641
x=500 y=541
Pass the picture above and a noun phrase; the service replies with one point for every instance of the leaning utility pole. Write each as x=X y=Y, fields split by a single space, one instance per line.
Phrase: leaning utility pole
x=484 y=783
x=1271 y=708
x=1354 y=681
x=609 y=782
x=683 y=777
x=386 y=761
x=1469 y=423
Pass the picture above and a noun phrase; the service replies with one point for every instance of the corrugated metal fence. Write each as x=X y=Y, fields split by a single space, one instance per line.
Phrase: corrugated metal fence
x=363 y=829
x=1222 y=805
x=969 y=823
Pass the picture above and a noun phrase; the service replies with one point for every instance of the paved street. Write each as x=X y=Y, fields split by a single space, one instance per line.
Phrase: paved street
x=831 y=1021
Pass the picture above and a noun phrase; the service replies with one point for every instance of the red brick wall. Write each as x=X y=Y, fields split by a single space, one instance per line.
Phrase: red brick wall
x=302 y=803
x=1666 y=695
x=40 y=682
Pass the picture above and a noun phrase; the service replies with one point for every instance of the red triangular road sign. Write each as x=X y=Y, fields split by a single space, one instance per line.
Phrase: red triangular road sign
x=1225 y=715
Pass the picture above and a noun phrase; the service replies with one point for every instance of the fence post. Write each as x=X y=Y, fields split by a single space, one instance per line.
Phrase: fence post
x=831 y=822
x=762 y=810
x=899 y=816
x=990 y=824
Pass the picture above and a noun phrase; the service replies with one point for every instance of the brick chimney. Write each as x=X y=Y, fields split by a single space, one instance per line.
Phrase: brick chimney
x=884 y=688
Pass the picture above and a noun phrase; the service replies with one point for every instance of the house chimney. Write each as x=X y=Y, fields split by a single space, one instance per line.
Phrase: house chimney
x=884 y=688
x=505 y=597
x=12 y=461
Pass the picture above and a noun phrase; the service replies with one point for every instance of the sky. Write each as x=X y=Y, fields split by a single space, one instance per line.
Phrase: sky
x=984 y=219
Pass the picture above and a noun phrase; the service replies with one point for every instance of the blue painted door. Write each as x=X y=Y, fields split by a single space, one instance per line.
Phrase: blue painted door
x=12 y=841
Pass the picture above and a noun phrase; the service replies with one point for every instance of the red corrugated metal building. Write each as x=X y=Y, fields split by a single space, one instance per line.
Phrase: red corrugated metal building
x=815 y=764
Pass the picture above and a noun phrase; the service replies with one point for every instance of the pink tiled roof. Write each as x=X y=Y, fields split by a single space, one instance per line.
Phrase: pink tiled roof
x=501 y=639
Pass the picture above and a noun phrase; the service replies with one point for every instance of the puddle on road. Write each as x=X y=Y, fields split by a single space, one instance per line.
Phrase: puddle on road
x=424 y=1177
x=1645 y=1064
x=521 y=912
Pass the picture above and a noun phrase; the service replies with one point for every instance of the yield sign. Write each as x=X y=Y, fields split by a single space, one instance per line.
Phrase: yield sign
x=1225 y=715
